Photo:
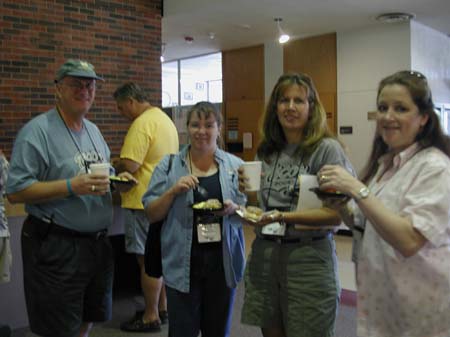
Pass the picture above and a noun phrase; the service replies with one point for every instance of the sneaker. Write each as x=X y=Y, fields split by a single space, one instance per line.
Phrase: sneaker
x=138 y=325
x=164 y=316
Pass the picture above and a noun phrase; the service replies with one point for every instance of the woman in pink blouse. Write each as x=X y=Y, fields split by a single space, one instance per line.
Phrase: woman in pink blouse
x=404 y=262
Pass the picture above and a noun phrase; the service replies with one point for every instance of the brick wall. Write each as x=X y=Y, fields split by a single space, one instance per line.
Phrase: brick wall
x=121 y=39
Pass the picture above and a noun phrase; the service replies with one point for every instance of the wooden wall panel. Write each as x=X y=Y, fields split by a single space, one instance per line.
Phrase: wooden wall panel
x=246 y=114
x=14 y=209
x=243 y=73
x=243 y=96
x=329 y=103
x=316 y=56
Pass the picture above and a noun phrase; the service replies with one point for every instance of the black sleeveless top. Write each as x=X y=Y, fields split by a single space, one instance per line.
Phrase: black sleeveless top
x=212 y=185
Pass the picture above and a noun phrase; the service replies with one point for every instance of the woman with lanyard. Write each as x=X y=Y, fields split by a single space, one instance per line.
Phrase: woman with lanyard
x=292 y=287
x=202 y=250
x=403 y=266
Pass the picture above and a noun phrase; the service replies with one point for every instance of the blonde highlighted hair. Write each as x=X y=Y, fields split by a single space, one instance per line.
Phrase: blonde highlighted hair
x=273 y=138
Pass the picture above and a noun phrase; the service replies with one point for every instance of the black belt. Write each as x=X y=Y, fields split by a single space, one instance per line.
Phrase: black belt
x=304 y=240
x=53 y=228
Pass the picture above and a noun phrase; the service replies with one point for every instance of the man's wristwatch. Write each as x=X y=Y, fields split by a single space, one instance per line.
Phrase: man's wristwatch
x=363 y=193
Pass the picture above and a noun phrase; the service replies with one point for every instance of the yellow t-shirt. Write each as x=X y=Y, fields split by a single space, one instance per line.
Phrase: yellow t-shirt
x=150 y=137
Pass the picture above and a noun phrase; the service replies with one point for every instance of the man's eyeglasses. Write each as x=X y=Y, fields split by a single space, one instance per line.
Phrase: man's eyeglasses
x=78 y=85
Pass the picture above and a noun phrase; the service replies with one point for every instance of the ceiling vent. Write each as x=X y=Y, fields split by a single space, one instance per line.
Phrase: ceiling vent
x=395 y=17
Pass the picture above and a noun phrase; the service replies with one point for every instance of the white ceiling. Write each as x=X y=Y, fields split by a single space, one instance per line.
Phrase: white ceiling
x=244 y=23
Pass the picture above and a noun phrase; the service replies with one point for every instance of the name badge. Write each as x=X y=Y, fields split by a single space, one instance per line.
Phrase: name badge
x=274 y=228
x=208 y=233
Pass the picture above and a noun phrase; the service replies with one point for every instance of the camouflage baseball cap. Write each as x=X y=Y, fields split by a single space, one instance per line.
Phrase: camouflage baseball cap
x=77 y=68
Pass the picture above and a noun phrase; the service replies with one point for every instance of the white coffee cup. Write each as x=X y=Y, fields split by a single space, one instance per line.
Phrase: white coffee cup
x=252 y=169
x=100 y=169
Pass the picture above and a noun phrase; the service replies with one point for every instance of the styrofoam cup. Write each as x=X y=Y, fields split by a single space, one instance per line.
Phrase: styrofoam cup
x=100 y=169
x=252 y=169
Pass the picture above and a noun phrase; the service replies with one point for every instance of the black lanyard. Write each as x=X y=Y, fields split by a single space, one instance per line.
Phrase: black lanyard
x=86 y=166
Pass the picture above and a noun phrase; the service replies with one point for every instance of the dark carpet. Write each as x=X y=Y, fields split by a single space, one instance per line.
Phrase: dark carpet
x=125 y=304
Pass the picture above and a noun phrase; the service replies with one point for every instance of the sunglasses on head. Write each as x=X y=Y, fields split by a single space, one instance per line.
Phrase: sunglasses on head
x=413 y=73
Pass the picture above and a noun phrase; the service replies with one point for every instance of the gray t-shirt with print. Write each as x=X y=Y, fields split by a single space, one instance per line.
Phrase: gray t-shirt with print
x=279 y=184
x=46 y=150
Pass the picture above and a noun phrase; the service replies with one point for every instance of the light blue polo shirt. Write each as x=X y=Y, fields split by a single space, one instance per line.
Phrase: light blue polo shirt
x=44 y=150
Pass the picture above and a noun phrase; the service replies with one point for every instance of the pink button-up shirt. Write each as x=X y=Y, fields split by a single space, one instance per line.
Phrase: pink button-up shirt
x=408 y=297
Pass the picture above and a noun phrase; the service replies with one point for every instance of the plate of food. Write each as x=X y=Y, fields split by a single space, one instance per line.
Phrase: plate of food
x=250 y=213
x=210 y=205
x=121 y=180
x=329 y=193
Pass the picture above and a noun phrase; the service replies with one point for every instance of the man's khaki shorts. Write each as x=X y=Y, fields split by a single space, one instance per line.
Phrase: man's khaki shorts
x=5 y=259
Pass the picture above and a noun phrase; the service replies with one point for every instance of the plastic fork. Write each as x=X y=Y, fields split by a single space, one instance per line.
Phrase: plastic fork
x=202 y=191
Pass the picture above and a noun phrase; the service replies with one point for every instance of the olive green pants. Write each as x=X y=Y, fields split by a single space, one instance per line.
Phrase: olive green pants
x=293 y=287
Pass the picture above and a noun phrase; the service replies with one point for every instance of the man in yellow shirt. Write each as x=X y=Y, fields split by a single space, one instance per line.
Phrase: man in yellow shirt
x=151 y=136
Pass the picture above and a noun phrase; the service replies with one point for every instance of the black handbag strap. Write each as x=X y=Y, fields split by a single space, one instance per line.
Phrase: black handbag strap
x=152 y=254
x=170 y=163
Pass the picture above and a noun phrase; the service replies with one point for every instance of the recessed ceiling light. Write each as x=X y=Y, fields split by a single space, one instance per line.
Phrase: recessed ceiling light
x=395 y=17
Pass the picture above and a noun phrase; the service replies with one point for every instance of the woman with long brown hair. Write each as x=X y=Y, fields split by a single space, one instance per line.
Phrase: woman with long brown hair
x=292 y=287
x=404 y=196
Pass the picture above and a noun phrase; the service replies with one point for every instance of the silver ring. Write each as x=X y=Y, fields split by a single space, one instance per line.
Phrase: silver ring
x=93 y=188
x=323 y=177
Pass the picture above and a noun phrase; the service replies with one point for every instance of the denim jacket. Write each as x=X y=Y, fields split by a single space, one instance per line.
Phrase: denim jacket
x=176 y=232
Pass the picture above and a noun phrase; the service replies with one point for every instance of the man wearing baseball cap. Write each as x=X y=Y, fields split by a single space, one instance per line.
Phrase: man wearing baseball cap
x=67 y=257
